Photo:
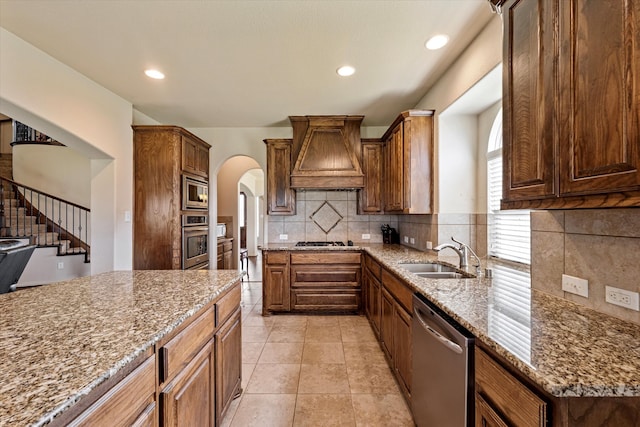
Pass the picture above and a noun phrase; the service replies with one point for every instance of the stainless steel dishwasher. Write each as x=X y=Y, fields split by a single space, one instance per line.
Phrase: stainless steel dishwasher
x=442 y=386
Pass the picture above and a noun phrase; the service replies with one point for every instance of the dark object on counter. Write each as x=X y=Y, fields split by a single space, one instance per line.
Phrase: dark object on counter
x=389 y=234
x=14 y=256
x=349 y=242
x=320 y=244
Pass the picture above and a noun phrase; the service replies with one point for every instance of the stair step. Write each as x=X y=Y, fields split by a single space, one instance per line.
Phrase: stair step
x=26 y=230
x=14 y=212
x=47 y=238
x=20 y=220
x=10 y=202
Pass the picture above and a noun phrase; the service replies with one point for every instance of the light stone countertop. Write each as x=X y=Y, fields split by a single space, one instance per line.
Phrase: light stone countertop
x=567 y=349
x=60 y=341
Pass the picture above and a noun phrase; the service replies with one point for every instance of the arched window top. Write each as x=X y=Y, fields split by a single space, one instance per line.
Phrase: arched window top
x=495 y=136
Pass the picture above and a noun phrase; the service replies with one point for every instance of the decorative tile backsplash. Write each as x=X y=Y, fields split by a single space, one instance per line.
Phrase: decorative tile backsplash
x=600 y=245
x=328 y=216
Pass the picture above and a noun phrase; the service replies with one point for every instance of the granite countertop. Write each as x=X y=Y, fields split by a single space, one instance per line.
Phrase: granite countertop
x=60 y=341
x=567 y=349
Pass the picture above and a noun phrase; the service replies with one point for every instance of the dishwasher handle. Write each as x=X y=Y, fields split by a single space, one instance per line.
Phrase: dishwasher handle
x=437 y=335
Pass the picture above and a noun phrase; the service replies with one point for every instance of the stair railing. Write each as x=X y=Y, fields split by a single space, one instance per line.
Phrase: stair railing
x=45 y=219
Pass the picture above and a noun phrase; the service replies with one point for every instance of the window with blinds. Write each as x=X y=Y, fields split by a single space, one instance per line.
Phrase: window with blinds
x=509 y=231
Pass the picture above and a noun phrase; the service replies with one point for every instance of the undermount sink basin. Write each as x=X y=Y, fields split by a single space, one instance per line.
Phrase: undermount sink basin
x=433 y=270
x=440 y=275
x=428 y=267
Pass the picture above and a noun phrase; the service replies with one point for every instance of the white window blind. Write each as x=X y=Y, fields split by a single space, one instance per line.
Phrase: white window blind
x=509 y=230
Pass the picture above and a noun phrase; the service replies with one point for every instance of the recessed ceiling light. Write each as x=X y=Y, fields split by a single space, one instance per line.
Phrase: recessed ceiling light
x=345 y=70
x=437 y=42
x=154 y=74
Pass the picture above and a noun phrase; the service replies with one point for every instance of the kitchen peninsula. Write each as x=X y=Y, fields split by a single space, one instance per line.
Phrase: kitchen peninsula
x=119 y=343
x=582 y=367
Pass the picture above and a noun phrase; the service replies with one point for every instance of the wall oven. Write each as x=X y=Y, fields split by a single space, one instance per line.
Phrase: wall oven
x=195 y=242
x=195 y=193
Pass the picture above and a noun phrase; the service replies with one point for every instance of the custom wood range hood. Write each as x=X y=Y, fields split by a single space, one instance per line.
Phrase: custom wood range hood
x=326 y=152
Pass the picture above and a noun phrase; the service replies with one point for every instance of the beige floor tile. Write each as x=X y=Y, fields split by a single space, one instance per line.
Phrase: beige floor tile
x=274 y=378
x=281 y=352
x=323 y=334
x=290 y=320
x=260 y=410
x=363 y=353
x=350 y=321
x=357 y=334
x=381 y=410
x=323 y=379
x=324 y=410
x=371 y=379
x=247 y=371
x=287 y=334
x=323 y=321
x=251 y=351
x=322 y=352
x=259 y=320
x=255 y=333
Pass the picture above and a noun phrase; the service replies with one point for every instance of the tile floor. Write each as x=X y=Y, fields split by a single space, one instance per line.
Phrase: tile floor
x=312 y=371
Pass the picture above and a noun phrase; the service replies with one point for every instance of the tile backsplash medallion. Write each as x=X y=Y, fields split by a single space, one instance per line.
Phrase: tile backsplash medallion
x=328 y=216
x=600 y=245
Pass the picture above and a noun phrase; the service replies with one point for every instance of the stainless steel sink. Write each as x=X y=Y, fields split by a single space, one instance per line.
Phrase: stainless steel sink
x=428 y=267
x=433 y=270
x=440 y=275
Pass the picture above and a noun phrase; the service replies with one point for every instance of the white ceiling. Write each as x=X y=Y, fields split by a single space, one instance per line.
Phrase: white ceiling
x=252 y=63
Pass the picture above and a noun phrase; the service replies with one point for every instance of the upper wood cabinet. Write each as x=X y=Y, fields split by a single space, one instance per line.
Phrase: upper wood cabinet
x=281 y=198
x=408 y=169
x=195 y=156
x=159 y=160
x=571 y=104
x=370 y=197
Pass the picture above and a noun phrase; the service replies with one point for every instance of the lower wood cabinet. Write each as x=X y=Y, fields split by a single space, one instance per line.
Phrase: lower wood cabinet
x=373 y=294
x=189 y=399
x=228 y=354
x=276 y=291
x=225 y=254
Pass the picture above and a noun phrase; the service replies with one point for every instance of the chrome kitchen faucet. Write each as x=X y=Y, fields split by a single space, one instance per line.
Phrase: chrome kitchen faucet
x=463 y=252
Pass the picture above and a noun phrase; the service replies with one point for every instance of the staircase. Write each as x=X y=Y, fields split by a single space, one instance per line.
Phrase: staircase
x=45 y=220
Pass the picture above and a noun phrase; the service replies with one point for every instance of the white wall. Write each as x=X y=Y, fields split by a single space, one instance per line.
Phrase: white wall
x=46 y=94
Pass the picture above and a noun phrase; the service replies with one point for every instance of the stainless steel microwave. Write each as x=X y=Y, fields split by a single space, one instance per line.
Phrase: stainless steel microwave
x=195 y=193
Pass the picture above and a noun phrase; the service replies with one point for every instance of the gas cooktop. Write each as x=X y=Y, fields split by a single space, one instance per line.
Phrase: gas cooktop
x=320 y=244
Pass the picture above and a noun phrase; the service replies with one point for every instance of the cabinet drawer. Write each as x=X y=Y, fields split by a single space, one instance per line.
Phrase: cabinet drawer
x=399 y=290
x=508 y=397
x=320 y=300
x=227 y=305
x=127 y=402
x=227 y=246
x=307 y=257
x=373 y=267
x=176 y=353
x=325 y=276
x=276 y=257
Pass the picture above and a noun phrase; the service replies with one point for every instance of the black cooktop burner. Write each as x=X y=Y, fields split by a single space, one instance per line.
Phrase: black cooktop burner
x=320 y=244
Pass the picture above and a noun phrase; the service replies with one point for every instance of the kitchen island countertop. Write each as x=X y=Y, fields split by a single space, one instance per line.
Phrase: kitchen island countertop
x=567 y=349
x=60 y=341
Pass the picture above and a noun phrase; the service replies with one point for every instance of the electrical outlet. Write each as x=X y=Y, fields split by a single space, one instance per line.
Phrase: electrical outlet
x=284 y=237
x=60 y=265
x=412 y=240
x=429 y=244
x=622 y=297
x=406 y=239
x=366 y=236
x=127 y=216
x=575 y=285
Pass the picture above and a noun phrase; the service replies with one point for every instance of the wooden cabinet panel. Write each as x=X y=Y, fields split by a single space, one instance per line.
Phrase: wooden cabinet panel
x=408 y=169
x=398 y=289
x=386 y=324
x=225 y=253
x=227 y=305
x=530 y=85
x=370 y=198
x=281 y=198
x=228 y=344
x=600 y=66
x=178 y=351
x=516 y=403
x=189 y=399
x=373 y=303
x=195 y=157
x=486 y=416
x=319 y=276
x=325 y=300
x=571 y=104
x=402 y=348
x=319 y=258
x=130 y=402
x=276 y=292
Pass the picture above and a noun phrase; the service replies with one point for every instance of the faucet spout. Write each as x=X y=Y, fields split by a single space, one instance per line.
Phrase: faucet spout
x=462 y=250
